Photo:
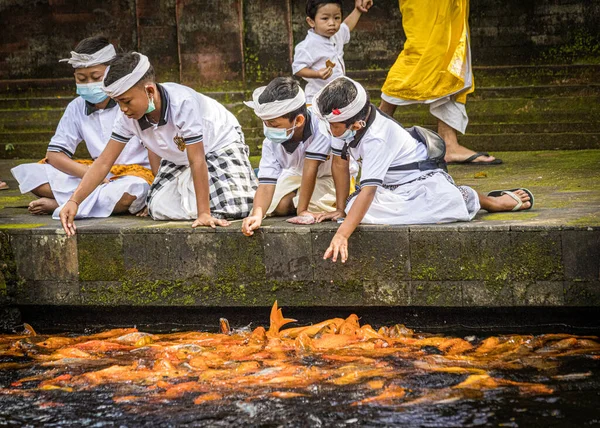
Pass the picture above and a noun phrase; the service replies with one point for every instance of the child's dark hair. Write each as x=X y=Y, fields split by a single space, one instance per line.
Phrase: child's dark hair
x=312 y=6
x=283 y=88
x=122 y=65
x=338 y=94
x=91 y=45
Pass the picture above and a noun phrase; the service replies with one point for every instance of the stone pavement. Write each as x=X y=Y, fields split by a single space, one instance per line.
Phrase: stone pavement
x=549 y=256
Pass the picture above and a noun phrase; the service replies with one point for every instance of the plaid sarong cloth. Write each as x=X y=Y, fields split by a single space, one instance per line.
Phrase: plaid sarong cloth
x=231 y=182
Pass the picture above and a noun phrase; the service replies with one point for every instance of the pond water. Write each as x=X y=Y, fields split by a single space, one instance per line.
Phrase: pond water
x=333 y=373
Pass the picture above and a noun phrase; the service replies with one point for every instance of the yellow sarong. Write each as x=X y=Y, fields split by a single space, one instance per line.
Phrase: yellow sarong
x=119 y=171
x=434 y=62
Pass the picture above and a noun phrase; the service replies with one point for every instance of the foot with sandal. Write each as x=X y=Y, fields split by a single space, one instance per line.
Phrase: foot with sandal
x=520 y=199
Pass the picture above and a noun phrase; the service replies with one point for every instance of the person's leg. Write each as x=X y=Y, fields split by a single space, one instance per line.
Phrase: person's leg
x=387 y=108
x=42 y=206
x=124 y=203
x=454 y=151
x=46 y=204
x=285 y=205
x=494 y=204
x=43 y=191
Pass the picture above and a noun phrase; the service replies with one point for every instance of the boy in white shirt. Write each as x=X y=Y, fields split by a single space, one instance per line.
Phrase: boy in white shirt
x=88 y=118
x=399 y=184
x=295 y=168
x=319 y=58
x=205 y=174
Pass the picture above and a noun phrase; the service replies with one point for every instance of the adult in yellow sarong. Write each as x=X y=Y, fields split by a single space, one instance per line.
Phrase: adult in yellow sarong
x=435 y=68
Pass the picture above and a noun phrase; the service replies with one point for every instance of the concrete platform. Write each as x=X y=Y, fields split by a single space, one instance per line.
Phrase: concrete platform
x=549 y=256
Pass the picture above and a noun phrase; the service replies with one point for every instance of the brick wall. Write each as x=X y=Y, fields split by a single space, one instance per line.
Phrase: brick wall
x=207 y=42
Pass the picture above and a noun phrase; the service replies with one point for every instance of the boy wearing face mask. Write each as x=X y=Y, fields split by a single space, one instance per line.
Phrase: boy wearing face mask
x=205 y=173
x=88 y=118
x=295 y=168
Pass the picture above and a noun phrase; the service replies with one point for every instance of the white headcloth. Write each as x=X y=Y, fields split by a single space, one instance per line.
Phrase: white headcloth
x=80 y=60
x=273 y=109
x=126 y=82
x=344 y=113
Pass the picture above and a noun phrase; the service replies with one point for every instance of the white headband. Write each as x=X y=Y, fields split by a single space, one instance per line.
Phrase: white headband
x=271 y=110
x=126 y=82
x=79 y=60
x=344 y=113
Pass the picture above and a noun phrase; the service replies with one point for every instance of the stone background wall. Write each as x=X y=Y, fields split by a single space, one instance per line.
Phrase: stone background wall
x=208 y=42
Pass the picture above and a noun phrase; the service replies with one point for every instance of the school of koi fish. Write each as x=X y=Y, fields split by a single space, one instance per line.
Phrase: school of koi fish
x=286 y=363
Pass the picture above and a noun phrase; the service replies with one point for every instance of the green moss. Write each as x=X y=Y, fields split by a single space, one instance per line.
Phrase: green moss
x=525 y=215
x=100 y=257
x=588 y=220
x=21 y=226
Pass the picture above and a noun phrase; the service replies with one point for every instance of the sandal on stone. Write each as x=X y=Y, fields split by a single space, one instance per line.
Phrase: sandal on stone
x=498 y=193
x=3 y=185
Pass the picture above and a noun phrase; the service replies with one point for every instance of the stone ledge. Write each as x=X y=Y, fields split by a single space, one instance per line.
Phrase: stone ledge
x=124 y=261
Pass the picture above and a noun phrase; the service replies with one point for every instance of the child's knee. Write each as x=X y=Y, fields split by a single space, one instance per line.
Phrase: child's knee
x=285 y=205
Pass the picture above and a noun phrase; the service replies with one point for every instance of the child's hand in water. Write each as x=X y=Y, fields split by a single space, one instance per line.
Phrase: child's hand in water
x=208 y=220
x=338 y=245
x=325 y=73
x=250 y=224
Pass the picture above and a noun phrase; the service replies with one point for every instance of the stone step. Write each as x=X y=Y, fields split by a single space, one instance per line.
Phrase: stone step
x=517 y=75
x=44 y=136
x=482 y=142
x=481 y=93
x=485 y=76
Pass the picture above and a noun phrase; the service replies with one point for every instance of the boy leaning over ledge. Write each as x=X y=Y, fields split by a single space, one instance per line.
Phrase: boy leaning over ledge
x=205 y=174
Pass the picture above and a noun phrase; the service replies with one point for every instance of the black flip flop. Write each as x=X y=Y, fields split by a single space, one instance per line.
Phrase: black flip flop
x=470 y=159
x=510 y=192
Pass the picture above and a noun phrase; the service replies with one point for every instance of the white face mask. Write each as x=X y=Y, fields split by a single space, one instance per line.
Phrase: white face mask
x=278 y=135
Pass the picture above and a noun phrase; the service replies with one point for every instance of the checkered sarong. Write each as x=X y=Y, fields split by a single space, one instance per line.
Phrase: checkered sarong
x=231 y=184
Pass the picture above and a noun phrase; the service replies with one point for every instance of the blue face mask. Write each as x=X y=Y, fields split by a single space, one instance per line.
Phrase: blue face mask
x=347 y=135
x=278 y=135
x=91 y=92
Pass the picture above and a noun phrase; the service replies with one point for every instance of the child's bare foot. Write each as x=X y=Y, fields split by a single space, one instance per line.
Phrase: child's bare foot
x=508 y=202
x=42 y=206
x=3 y=185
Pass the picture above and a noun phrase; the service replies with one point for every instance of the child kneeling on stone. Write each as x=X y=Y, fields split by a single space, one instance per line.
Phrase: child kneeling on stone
x=295 y=169
x=205 y=174
x=392 y=189
x=88 y=118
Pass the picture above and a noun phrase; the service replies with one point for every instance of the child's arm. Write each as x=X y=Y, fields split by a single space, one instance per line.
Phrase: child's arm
x=307 y=186
x=340 y=170
x=92 y=178
x=324 y=73
x=199 y=169
x=154 y=160
x=352 y=19
x=64 y=163
x=339 y=243
x=262 y=201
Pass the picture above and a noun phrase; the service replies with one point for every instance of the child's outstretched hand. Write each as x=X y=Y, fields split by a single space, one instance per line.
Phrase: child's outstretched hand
x=67 y=217
x=250 y=224
x=208 y=220
x=325 y=73
x=363 y=5
x=338 y=246
x=333 y=216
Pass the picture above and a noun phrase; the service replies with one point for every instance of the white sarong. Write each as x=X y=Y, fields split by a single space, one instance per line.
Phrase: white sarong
x=100 y=203
x=431 y=198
